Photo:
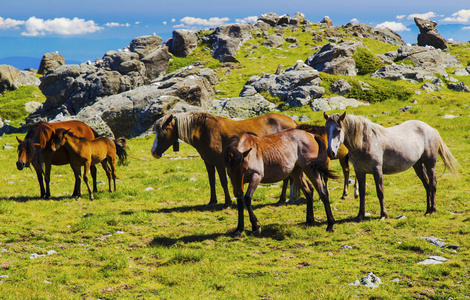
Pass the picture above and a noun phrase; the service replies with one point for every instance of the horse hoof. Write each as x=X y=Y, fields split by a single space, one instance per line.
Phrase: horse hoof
x=358 y=219
x=280 y=203
x=330 y=228
x=228 y=205
x=257 y=232
x=236 y=234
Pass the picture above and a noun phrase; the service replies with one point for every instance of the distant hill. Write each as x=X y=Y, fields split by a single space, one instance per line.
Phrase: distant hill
x=24 y=62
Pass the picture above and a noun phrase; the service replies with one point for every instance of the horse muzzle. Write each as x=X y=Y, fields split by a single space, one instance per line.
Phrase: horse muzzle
x=20 y=165
x=155 y=155
x=331 y=154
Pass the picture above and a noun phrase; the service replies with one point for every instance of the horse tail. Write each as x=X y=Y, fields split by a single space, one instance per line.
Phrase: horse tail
x=320 y=164
x=449 y=160
x=120 y=144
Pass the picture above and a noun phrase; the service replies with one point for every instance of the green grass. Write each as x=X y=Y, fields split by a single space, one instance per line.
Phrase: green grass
x=164 y=243
x=12 y=103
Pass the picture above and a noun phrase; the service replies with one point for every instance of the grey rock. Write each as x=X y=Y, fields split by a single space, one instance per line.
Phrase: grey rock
x=341 y=87
x=460 y=72
x=370 y=280
x=229 y=38
x=337 y=102
x=335 y=59
x=269 y=18
x=433 y=260
x=274 y=41
x=157 y=62
x=428 y=34
x=327 y=21
x=144 y=45
x=50 y=61
x=243 y=107
x=11 y=78
x=459 y=87
x=183 y=42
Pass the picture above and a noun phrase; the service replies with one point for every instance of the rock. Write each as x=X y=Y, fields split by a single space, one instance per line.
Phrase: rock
x=156 y=63
x=337 y=102
x=347 y=247
x=269 y=18
x=274 y=41
x=247 y=91
x=384 y=35
x=229 y=38
x=341 y=87
x=243 y=107
x=459 y=87
x=31 y=106
x=144 y=45
x=283 y=20
x=327 y=21
x=11 y=78
x=50 y=61
x=297 y=19
x=303 y=95
x=427 y=57
x=183 y=42
x=113 y=60
x=335 y=59
x=428 y=34
x=460 y=72
x=433 y=260
x=370 y=280
x=402 y=72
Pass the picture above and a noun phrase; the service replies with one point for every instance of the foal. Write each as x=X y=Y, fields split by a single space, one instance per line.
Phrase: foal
x=86 y=153
x=275 y=157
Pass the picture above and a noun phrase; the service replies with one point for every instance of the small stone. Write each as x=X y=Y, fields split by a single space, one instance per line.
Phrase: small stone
x=50 y=252
x=367 y=215
x=149 y=189
x=400 y=218
x=346 y=247
x=192 y=179
x=119 y=232
x=395 y=280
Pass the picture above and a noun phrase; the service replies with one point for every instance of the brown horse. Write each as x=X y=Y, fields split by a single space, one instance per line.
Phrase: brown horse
x=210 y=134
x=35 y=149
x=342 y=156
x=274 y=157
x=83 y=152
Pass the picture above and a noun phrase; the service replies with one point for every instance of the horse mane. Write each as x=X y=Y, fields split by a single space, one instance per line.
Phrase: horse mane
x=38 y=133
x=358 y=127
x=313 y=129
x=187 y=121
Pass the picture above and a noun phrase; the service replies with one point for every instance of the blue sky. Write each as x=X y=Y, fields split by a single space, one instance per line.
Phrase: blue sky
x=85 y=30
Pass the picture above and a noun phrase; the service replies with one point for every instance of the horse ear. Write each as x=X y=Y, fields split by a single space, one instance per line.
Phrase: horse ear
x=168 y=120
x=326 y=116
x=19 y=140
x=341 y=118
x=245 y=154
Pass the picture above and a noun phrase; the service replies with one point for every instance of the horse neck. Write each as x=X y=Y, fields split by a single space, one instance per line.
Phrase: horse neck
x=187 y=123
x=72 y=143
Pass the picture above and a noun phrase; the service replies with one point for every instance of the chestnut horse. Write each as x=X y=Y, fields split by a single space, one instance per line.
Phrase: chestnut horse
x=210 y=134
x=377 y=150
x=342 y=156
x=35 y=149
x=270 y=158
x=83 y=152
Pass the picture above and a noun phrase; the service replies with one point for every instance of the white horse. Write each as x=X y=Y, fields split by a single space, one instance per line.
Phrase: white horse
x=377 y=150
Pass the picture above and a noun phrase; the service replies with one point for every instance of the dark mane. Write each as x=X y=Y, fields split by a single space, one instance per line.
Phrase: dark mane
x=320 y=130
x=39 y=133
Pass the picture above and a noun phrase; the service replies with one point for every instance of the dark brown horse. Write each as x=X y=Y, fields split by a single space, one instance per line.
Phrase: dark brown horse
x=275 y=157
x=342 y=156
x=36 y=149
x=210 y=134
x=83 y=152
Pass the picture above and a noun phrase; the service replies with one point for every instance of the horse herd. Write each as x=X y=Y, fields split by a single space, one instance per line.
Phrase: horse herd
x=264 y=149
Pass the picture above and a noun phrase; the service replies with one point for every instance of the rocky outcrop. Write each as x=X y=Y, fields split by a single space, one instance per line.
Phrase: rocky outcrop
x=327 y=21
x=335 y=58
x=274 y=41
x=341 y=87
x=11 y=78
x=132 y=113
x=50 y=61
x=227 y=39
x=243 y=107
x=337 y=102
x=183 y=42
x=143 y=45
x=384 y=35
x=428 y=35
x=426 y=57
x=402 y=72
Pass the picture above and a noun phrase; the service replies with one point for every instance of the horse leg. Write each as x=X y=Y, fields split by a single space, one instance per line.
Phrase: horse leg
x=298 y=177
x=106 y=169
x=316 y=179
x=344 y=162
x=93 y=176
x=378 y=178
x=248 y=196
x=211 y=173
x=241 y=219
x=361 y=179
x=78 y=181
x=224 y=182
x=282 y=198
x=294 y=192
x=39 y=172
x=421 y=172
x=112 y=163
x=85 y=178
x=431 y=171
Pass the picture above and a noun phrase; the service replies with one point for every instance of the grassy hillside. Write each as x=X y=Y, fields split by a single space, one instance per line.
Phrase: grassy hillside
x=154 y=238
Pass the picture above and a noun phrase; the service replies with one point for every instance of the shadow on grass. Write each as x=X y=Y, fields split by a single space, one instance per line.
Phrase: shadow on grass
x=29 y=198
x=167 y=242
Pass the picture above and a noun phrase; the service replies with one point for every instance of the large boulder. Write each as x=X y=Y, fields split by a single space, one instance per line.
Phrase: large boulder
x=428 y=35
x=11 y=78
x=269 y=18
x=50 y=61
x=119 y=61
x=156 y=63
x=183 y=42
x=427 y=57
x=402 y=72
x=337 y=102
x=335 y=58
x=243 y=107
x=274 y=41
x=384 y=35
x=227 y=39
x=144 y=45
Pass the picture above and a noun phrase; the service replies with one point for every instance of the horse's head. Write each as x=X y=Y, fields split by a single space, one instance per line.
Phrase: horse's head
x=26 y=152
x=166 y=134
x=236 y=168
x=334 y=132
x=58 y=138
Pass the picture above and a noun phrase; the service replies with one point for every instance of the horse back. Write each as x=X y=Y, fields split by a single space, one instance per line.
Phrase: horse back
x=78 y=128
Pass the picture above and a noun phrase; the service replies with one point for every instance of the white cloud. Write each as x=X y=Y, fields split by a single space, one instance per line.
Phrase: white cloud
x=462 y=16
x=113 y=24
x=466 y=28
x=63 y=26
x=250 y=19
x=400 y=17
x=180 y=26
x=216 y=21
x=395 y=26
x=10 y=23
x=165 y=22
x=427 y=16
x=354 y=21
x=173 y=20
x=137 y=23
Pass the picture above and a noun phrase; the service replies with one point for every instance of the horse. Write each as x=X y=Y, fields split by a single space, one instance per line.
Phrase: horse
x=35 y=149
x=342 y=156
x=271 y=158
x=83 y=152
x=377 y=150
x=210 y=134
